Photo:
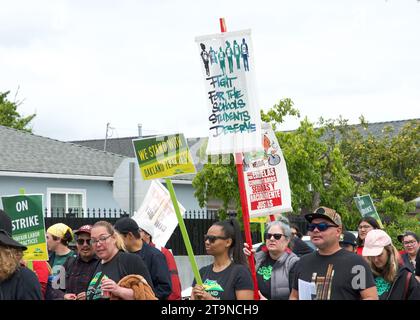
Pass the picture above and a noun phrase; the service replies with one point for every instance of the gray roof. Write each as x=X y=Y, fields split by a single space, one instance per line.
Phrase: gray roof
x=26 y=152
x=377 y=129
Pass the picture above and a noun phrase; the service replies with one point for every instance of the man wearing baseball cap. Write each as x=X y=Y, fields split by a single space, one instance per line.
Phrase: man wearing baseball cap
x=79 y=270
x=331 y=273
x=152 y=257
x=348 y=241
x=16 y=282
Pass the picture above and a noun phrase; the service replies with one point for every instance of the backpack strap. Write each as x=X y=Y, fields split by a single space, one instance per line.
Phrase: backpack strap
x=407 y=282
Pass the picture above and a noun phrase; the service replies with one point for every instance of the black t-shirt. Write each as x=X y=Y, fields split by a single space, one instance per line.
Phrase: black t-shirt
x=155 y=262
x=22 y=285
x=418 y=264
x=224 y=284
x=349 y=274
x=123 y=264
x=264 y=276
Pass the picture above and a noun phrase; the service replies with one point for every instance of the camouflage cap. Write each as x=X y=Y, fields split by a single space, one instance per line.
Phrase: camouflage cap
x=326 y=213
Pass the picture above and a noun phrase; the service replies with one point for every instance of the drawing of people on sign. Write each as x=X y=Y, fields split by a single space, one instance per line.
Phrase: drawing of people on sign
x=245 y=54
x=273 y=158
x=229 y=55
x=237 y=54
x=222 y=60
x=205 y=57
x=213 y=56
x=271 y=155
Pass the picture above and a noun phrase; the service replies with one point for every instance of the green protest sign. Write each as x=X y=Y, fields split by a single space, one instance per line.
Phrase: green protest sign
x=28 y=227
x=163 y=156
x=367 y=208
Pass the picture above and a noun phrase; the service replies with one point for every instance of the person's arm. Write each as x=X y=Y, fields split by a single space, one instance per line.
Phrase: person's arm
x=294 y=295
x=161 y=277
x=110 y=286
x=29 y=287
x=369 y=294
x=244 y=294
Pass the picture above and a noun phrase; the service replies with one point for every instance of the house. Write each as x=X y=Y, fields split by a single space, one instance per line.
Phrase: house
x=71 y=177
x=182 y=183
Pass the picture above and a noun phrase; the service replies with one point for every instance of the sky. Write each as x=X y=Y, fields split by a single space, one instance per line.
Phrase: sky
x=82 y=64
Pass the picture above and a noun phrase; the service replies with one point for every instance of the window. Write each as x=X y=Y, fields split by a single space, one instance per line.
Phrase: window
x=63 y=202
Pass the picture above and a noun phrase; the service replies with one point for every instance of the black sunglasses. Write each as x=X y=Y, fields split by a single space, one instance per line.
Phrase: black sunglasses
x=276 y=236
x=80 y=242
x=212 y=239
x=320 y=226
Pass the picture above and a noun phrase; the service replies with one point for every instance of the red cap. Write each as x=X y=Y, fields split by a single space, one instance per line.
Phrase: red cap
x=86 y=228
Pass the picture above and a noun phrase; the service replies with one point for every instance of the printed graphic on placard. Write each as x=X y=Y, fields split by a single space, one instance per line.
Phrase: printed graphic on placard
x=266 y=178
x=234 y=118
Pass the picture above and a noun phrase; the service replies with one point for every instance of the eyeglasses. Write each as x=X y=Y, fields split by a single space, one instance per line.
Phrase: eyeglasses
x=80 y=242
x=276 y=236
x=101 y=239
x=407 y=243
x=365 y=227
x=320 y=226
x=212 y=239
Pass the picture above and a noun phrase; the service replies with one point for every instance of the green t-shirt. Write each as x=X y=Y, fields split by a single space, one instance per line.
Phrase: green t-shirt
x=59 y=260
x=382 y=286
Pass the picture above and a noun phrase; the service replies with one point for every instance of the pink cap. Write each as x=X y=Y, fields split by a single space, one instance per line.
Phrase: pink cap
x=375 y=242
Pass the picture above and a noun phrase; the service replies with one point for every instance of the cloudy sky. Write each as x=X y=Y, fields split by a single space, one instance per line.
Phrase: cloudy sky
x=82 y=64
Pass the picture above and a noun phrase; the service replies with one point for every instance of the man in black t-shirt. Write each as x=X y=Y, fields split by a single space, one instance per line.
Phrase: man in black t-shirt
x=331 y=273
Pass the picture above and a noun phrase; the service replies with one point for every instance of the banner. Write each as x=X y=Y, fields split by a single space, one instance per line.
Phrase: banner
x=266 y=178
x=28 y=227
x=163 y=156
x=157 y=207
x=366 y=208
x=228 y=68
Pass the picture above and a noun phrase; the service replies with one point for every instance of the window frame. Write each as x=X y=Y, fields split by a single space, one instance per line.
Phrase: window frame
x=66 y=192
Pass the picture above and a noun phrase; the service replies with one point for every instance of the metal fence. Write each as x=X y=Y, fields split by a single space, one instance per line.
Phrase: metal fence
x=197 y=222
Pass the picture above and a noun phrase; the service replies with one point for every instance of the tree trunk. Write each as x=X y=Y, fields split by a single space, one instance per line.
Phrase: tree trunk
x=316 y=200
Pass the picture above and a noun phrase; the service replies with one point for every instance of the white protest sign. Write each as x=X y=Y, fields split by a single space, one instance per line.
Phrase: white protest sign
x=266 y=179
x=158 y=208
x=229 y=72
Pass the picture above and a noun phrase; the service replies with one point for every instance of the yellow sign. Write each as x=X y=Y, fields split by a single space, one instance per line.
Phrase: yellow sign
x=163 y=156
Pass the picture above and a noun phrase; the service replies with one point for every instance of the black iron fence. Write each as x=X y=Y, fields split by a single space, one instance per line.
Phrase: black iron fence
x=197 y=222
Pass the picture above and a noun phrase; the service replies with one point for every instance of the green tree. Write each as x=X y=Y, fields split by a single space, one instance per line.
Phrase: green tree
x=9 y=116
x=313 y=161
x=219 y=180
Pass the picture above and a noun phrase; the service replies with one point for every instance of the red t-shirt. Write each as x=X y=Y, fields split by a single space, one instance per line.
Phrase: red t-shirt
x=42 y=271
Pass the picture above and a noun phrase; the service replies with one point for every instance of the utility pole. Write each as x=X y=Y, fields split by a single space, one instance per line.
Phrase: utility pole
x=106 y=135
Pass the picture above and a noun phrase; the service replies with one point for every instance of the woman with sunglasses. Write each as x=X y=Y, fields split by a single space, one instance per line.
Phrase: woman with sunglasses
x=275 y=263
x=115 y=264
x=228 y=277
x=365 y=225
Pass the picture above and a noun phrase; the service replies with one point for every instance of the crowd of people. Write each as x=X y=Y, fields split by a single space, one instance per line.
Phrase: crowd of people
x=121 y=262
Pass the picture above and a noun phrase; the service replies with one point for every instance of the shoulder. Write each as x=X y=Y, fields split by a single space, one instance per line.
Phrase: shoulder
x=26 y=275
x=127 y=257
x=240 y=269
x=292 y=258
